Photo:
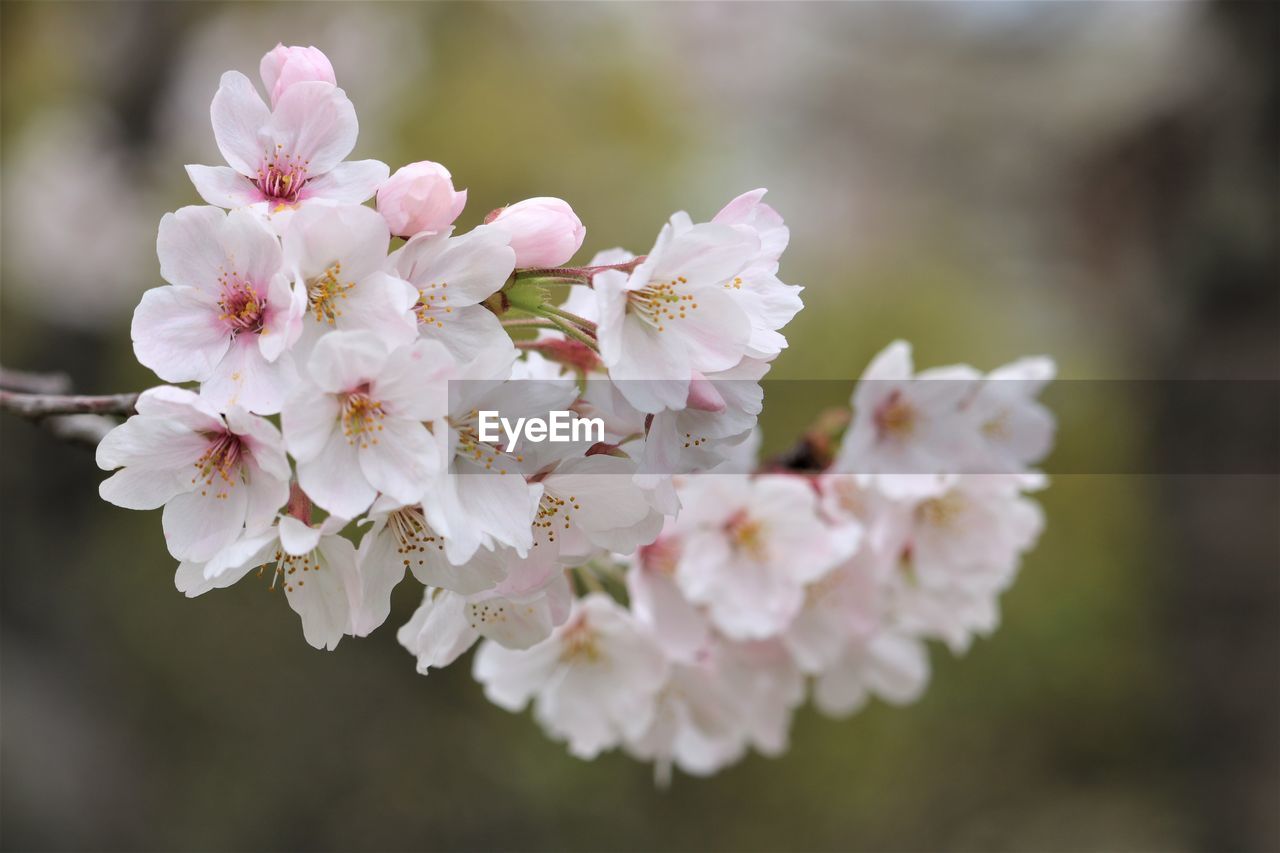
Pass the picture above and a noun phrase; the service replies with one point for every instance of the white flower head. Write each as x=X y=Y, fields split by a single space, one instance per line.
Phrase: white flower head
x=213 y=473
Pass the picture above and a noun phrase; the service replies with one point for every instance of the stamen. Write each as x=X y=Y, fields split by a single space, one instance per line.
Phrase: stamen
x=362 y=417
x=324 y=291
x=220 y=462
x=243 y=308
x=661 y=302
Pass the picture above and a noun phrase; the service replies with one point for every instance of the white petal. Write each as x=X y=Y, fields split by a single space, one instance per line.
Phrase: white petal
x=200 y=523
x=341 y=361
x=322 y=594
x=223 y=186
x=239 y=118
x=334 y=480
x=352 y=182
x=177 y=333
x=314 y=122
x=399 y=462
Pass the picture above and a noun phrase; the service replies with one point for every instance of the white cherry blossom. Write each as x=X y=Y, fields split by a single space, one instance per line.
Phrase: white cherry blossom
x=286 y=155
x=593 y=683
x=213 y=473
x=356 y=426
x=229 y=317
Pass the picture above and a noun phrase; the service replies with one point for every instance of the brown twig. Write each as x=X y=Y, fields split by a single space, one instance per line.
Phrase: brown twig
x=36 y=406
x=42 y=398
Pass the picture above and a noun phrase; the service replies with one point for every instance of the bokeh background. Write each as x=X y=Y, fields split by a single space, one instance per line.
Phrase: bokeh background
x=1097 y=181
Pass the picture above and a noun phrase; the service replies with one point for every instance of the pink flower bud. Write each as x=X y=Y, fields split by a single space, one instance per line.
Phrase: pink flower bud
x=703 y=395
x=420 y=198
x=283 y=66
x=544 y=232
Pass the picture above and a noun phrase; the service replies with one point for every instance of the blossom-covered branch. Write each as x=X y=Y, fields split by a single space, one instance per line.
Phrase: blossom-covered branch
x=651 y=588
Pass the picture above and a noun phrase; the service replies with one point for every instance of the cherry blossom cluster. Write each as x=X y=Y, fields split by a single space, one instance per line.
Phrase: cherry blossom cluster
x=649 y=589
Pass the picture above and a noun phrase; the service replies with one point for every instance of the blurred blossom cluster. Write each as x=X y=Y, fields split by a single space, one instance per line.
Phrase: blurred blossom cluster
x=654 y=588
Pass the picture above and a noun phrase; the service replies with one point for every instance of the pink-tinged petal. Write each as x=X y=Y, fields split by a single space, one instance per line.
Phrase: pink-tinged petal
x=322 y=594
x=320 y=236
x=412 y=383
x=706 y=254
x=153 y=443
x=352 y=182
x=399 y=463
x=244 y=378
x=473 y=266
x=716 y=332
x=282 y=320
x=239 y=119
x=198 y=524
x=282 y=67
x=223 y=186
x=178 y=333
x=382 y=304
x=342 y=361
x=315 y=123
x=415 y=260
x=310 y=418
x=334 y=480
x=181 y=406
x=251 y=249
x=748 y=210
x=189 y=245
x=263 y=441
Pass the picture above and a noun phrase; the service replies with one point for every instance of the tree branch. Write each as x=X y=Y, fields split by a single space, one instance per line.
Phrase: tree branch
x=78 y=419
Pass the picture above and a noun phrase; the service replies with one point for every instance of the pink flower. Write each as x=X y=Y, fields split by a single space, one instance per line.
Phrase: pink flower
x=212 y=473
x=282 y=66
x=544 y=232
x=420 y=198
x=287 y=155
x=231 y=315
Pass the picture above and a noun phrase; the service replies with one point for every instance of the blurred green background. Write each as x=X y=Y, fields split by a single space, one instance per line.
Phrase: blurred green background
x=1093 y=181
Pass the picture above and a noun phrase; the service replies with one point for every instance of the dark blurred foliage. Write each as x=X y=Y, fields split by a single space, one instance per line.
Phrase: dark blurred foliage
x=1095 y=181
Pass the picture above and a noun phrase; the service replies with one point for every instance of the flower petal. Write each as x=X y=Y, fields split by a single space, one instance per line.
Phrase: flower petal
x=239 y=117
x=177 y=333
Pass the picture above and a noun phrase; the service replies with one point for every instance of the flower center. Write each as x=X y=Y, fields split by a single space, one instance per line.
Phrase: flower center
x=661 y=302
x=942 y=511
x=219 y=466
x=431 y=304
x=580 y=644
x=895 y=418
x=324 y=291
x=362 y=416
x=470 y=446
x=243 y=308
x=282 y=177
x=287 y=568
x=413 y=537
x=746 y=534
x=553 y=514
